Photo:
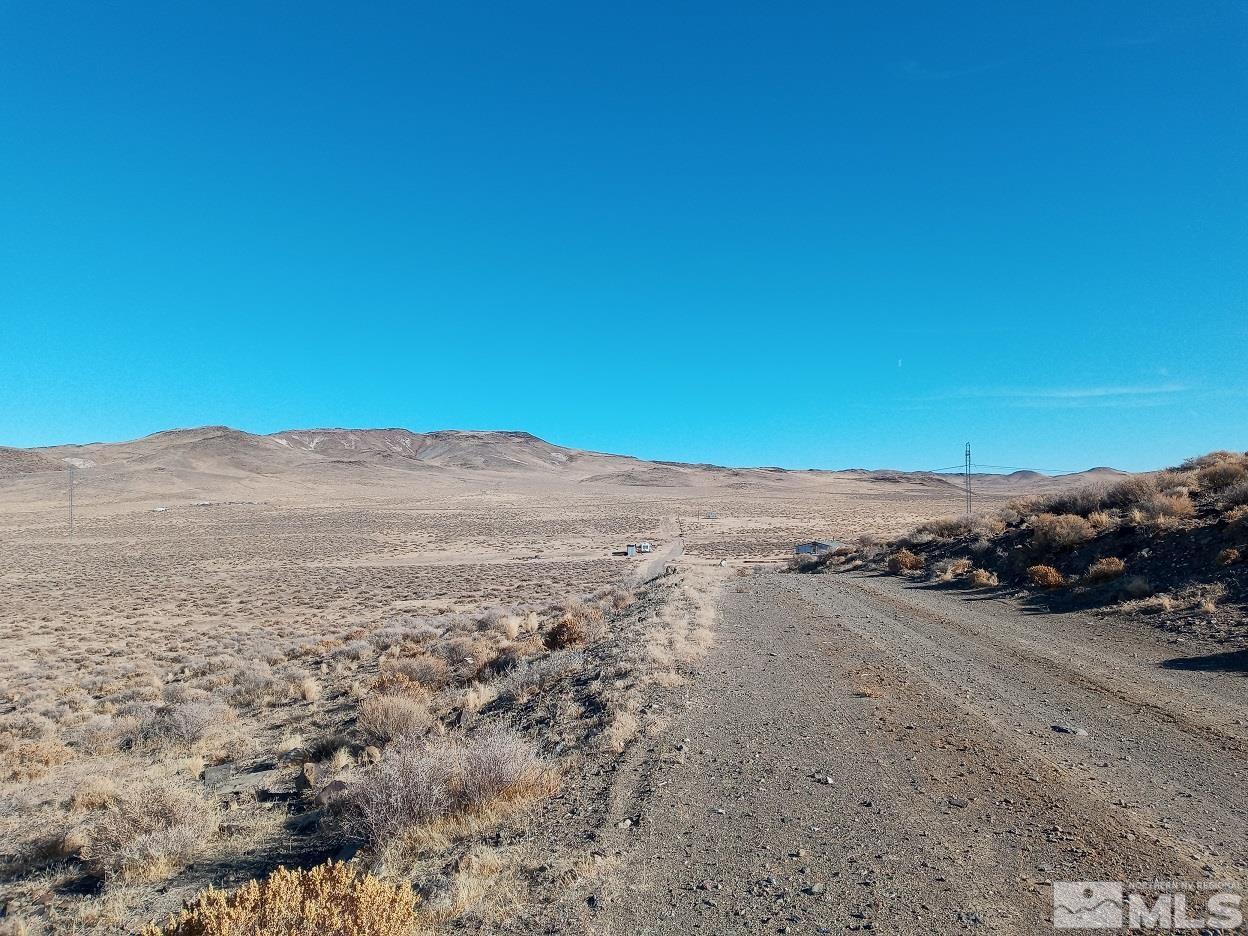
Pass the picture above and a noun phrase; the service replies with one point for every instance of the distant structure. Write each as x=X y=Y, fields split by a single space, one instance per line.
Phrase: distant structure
x=815 y=547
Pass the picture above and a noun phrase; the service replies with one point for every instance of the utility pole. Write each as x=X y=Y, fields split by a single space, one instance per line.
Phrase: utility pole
x=72 y=469
x=967 y=474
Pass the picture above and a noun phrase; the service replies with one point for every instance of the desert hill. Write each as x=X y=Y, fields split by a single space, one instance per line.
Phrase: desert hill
x=219 y=463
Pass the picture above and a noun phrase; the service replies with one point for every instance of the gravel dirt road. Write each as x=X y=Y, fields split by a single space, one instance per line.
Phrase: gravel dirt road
x=863 y=753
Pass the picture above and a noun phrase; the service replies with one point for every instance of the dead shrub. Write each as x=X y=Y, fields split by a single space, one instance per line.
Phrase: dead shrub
x=620 y=598
x=417 y=782
x=950 y=569
x=430 y=671
x=982 y=578
x=393 y=682
x=1080 y=500
x=330 y=900
x=904 y=561
x=1043 y=576
x=385 y=718
x=255 y=684
x=1158 y=604
x=468 y=652
x=1168 y=507
x=568 y=631
x=1106 y=569
x=1131 y=492
x=1101 y=520
x=1228 y=556
x=1175 y=481
x=1236 y=495
x=946 y=527
x=496 y=761
x=1222 y=475
x=94 y=793
x=185 y=723
x=804 y=562
x=989 y=525
x=1019 y=509
x=28 y=760
x=1060 y=531
x=524 y=680
x=1210 y=460
x=150 y=834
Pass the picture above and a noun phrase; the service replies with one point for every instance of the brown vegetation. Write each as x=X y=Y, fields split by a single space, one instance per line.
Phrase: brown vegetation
x=1060 y=531
x=981 y=578
x=1177 y=529
x=904 y=561
x=1043 y=576
x=329 y=900
x=1105 y=569
x=150 y=833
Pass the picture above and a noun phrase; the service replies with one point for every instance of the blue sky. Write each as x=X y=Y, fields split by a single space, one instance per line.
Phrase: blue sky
x=790 y=234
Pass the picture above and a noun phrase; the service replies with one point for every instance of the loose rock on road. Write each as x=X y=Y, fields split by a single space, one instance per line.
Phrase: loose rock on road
x=859 y=753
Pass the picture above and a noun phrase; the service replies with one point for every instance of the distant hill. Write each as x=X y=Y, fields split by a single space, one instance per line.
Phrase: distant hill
x=222 y=463
x=16 y=461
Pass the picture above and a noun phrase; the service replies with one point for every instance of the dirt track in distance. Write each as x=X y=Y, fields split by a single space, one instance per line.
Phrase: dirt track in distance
x=858 y=753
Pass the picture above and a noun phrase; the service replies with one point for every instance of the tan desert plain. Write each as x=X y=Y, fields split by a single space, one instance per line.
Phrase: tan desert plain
x=382 y=682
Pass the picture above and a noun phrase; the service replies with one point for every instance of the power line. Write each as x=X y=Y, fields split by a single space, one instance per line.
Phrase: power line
x=968 y=479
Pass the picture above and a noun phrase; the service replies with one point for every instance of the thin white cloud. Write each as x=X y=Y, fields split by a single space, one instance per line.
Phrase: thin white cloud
x=1104 y=396
x=1079 y=393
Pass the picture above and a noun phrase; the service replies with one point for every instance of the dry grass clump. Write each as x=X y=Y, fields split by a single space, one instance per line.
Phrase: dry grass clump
x=1044 y=576
x=1101 y=520
x=1131 y=492
x=950 y=569
x=418 y=782
x=1081 y=500
x=1223 y=474
x=524 y=680
x=330 y=900
x=430 y=671
x=982 y=578
x=28 y=760
x=150 y=834
x=1160 y=506
x=1060 y=531
x=904 y=561
x=1106 y=569
x=94 y=793
x=946 y=527
x=395 y=683
x=386 y=718
x=1229 y=556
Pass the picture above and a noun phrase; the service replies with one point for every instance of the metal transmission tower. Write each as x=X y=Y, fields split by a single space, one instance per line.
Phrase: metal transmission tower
x=967 y=474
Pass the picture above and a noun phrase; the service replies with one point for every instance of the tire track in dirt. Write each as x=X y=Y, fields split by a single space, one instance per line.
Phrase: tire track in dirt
x=847 y=761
